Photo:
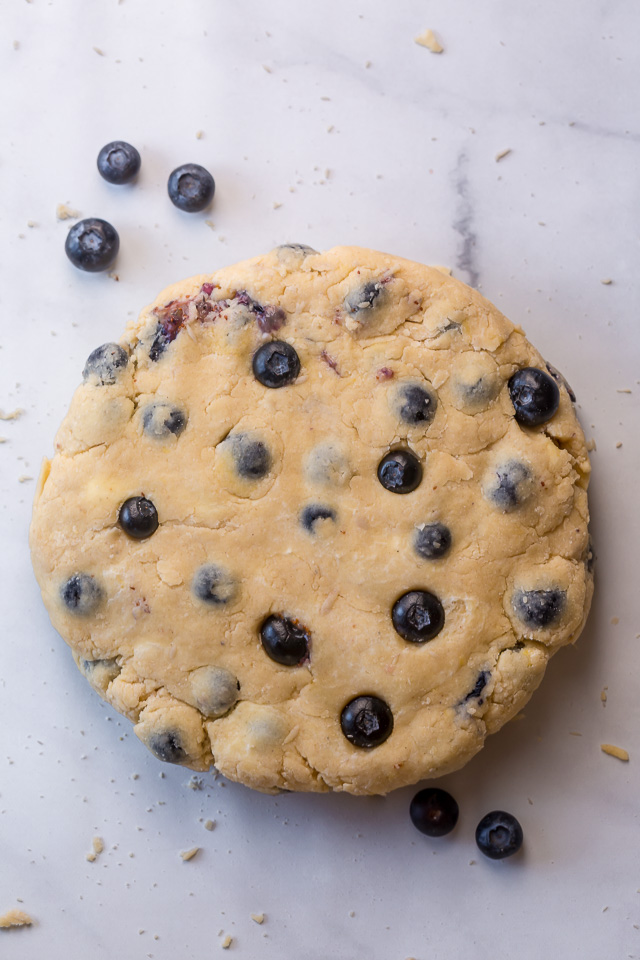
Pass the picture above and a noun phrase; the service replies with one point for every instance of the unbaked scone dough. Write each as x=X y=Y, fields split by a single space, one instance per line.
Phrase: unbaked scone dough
x=262 y=466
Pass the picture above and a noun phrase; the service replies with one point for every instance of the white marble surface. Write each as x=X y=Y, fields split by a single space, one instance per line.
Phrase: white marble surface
x=283 y=93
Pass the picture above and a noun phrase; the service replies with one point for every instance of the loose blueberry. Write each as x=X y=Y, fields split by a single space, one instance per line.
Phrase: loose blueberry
x=251 y=457
x=138 y=518
x=162 y=419
x=213 y=585
x=314 y=512
x=92 y=245
x=215 y=690
x=365 y=297
x=510 y=486
x=478 y=687
x=191 y=187
x=432 y=541
x=168 y=747
x=366 y=721
x=539 y=608
x=434 y=812
x=400 y=471
x=559 y=378
x=499 y=835
x=118 y=162
x=105 y=363
x=418 y=616
x=276 y=364
x=415 y=405
x=535 y=396
x=284 y=640
x=81 y=594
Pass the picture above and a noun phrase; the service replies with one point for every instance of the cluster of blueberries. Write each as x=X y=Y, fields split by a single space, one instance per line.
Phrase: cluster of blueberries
x=434 y=812
x=93 y=244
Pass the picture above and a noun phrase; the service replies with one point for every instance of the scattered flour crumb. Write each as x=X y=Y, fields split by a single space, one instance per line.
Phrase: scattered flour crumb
x=63 y=212
x=352 y=913
x=209 y=824
x=603 y=695
x=189 y=854
x=15 y=918
x=13 y=415
x=199 y=134
x=429 y=40
x=614 y=751
x=615 y=621
x=258 y=917
x=114 y=276
x=591 y=445
x=24 y=478
x=618 y=444
x=16 y=44
x=503 y=153
x=195 y=783
x=100 y=52
x=210 y=224
x=31 y=223
x=626 y=390
x=266 y=68
x=276 y=205
x=574 y=733
x=226 y=943
x=3 y=439
x=607 y=281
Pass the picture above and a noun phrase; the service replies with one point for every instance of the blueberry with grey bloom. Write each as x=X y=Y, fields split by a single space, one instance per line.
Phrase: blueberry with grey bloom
x=535 y=396
x=415 y=404
x=252 y=458
x=105 y=363
x=314 y=512
x=162 y=419
x=191 y=187
x=366 y=721
x=510 y=485
x=432 y=541
x=138 y=518
x=92 y=245
x=81 y=594
x=418 y=616
x=118 y=162
x=539 y=608
x=168 y=747
x=276 y=364
x=214 y=585
x=365 y=297
x=499 y=835
x=400 y=471
x=285 y=640
x=215 y=690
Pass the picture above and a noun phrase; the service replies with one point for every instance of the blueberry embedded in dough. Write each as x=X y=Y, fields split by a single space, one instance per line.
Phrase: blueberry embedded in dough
x=327 y=464
x=313 y=515
x=475 y=381
x=247 y=461
x=268 y=317
x=559 y=378
x=251 y=456
x=418 y=616
x=104 y=364
x=276 y=364
x=366 y=721
x=214 y=585
x=138 y=518
x=99 y=673
x=364 y=299
x=476 y=691
x=162 y=419
x=538 y=609
x=432 y=541
x=299 y=250
x=214 y=690
x=285 y=641
x=413 y=403
x=167 y=746
x=172 y=730
x=535 y=396
x=400 y=471
x=508 y=485
x=81 y=594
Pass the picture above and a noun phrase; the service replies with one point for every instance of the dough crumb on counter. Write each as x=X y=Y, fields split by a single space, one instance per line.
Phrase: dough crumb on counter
x=502 y=154
x=613 y=751
x=15 y=918
x=258 y=917
x=429 y=40
x=189 y=854
x=98 y=846
x=14 y=415
x=209 y=824
x=226 y=943
x=64 y=212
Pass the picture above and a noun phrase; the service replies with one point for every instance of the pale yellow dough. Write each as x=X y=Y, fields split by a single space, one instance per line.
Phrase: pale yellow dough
x=172 y=664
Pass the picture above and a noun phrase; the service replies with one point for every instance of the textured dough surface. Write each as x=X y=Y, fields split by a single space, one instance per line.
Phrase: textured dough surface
x=194 y=677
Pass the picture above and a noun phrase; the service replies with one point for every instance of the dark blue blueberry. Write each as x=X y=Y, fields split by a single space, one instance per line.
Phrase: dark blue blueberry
x=432 y=541
x=251 y=457
x=535 y=396
x=314 y=512
x=478 y=687
x=365 y=297
x=434 y=812
x=285 y=640
x=168 y=746
x=558 y=377
x=81 y=594
x=499 y=835
x=415 y=404
x=92 y=245
x=366 y=721
x=138 y=518
x=118 y=162
x=400 y=471
x=418 y=616
x=191 y=187
x=511 y=485
x=105 y=363
x=276 y=364
x=162 y=419
x=213 y=585
x=539 y=608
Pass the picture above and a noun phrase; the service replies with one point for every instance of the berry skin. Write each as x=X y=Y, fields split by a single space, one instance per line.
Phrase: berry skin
x=276 y=364
x=499 y=835
x=118 y=162
x=252 y=458
x=434 y=812
x=432 y=541
x=92 y=245
x=415 y=405
x=314 y=512
x=168 y=747
x=539 y=608
x=138 y=518
x=418 y=616
x=400 y=471
x=366 y=721
x=284 y=640
x=510 y=486
x=191 y=187
x=535 y=396
x=105 y=363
